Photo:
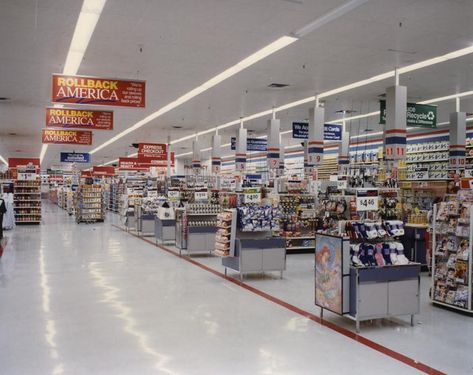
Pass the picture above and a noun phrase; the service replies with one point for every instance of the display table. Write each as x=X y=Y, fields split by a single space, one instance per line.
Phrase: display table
x=199 y=240
x=144 y=222
x=164 y=230
x=384 y=292
x=257 y=255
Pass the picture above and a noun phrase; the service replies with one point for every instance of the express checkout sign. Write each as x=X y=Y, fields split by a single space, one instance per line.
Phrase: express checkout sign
x=98 y=91
x=332 y=132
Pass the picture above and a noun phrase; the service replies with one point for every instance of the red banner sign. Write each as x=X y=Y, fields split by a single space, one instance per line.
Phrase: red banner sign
x=23 y=162
x=103 y=171
x=67 y=137
x=86 y=173
x=131 y=164
x=80 y=119
x=152 y=150
x=98 y=91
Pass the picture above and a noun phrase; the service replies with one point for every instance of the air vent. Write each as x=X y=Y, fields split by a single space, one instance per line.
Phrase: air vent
x=278 y=85
x=177 y=127
x=13 y=134
x=4 y=99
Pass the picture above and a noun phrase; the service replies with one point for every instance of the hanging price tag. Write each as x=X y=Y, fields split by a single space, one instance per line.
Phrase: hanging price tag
x=252 y=198
x=421 y=175
x=367 y=203
x=367 y=200
x=174 y=194
x=342 y=184
x=201 y=196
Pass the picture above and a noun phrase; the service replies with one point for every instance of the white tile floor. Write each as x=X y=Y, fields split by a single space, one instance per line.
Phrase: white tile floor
x=92 y=299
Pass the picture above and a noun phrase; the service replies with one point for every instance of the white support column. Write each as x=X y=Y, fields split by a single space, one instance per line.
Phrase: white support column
x=196 y=156
x=308 y=168
x=216 y=154
x=168 y=170
x=273 y=155
x=457 y=140
x=315 y=147
x=395 y=134
x=344 y=153
x=240 y=152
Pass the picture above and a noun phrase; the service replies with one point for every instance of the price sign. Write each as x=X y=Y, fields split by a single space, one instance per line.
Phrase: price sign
x=421 y=175
x=152 y=193
x=367 y=203
x=469 y=173
x=201 y=196
x=341 y=184
x=367 y=200
x=174 y=194
x=252 y=198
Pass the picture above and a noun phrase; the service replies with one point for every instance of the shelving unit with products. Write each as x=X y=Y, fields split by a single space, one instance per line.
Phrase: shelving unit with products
x=225 y=236
x=452 y=249
x=27 y=200
x=89 y=204
x=298 y=220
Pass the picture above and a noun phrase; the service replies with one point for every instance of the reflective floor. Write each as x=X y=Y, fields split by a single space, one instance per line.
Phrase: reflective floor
x=92 y=299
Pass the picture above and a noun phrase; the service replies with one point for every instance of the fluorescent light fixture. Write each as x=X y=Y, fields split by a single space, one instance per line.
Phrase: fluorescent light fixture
x=330 y=16
x=3 y=160
x=85 y=26
x=243 y=64
x=88 y=17
x=448 y=97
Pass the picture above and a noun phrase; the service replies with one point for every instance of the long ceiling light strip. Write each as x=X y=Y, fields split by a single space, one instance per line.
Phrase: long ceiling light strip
x=243 y=64
x=250 y=60
x=86 y=22
x=3 y=160
x=380 y=77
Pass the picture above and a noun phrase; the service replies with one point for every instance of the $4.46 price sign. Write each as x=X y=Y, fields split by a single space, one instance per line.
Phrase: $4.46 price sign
x=367 y=200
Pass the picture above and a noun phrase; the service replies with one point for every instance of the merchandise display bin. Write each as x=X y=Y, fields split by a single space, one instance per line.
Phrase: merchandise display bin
x=164 y=230
x=257 y=255
x=384 y=292
x=144 y=222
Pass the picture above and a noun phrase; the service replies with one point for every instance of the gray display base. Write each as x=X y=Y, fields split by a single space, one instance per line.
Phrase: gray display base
x=256 y=255
x=165 y=230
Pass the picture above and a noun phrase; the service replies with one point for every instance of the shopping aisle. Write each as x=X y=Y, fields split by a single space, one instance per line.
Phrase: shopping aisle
x=82 y=299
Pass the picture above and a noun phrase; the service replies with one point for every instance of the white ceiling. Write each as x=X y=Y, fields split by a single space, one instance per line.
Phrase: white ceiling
x=186 y=42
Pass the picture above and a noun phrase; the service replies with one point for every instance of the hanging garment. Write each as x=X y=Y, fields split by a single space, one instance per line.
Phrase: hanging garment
x=9 y=215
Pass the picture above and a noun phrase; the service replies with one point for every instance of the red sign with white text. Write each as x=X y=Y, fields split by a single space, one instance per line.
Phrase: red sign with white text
x=152 y=150
x=131 y=164
x=142 y=163
x=67 y=137
x=103 y=171
x=79 y=119
x=98 y=91
x=86 y=173
x=15 y=162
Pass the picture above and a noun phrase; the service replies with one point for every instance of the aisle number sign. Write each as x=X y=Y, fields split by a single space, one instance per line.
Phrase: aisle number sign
x=67 y=137
x=367 y=200
x=97 y=91
x=79 y=119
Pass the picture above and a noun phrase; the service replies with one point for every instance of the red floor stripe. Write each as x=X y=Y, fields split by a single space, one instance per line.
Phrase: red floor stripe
x=343 y=331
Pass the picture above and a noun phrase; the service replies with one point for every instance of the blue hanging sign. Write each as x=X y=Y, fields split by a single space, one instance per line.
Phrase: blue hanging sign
x=252 y=144
x=75 y=157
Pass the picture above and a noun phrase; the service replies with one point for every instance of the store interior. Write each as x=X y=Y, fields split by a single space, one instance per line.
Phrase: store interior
x=244 y=187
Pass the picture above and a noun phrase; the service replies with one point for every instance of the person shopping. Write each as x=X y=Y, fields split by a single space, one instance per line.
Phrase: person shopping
x=3 y=210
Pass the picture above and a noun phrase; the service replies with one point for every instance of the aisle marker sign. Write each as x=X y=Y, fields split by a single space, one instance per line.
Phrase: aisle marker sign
x=79 y=119
x=75 y=157
x=103 y=171
x=67 y=137
x=417 y=115
x=97 y=91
